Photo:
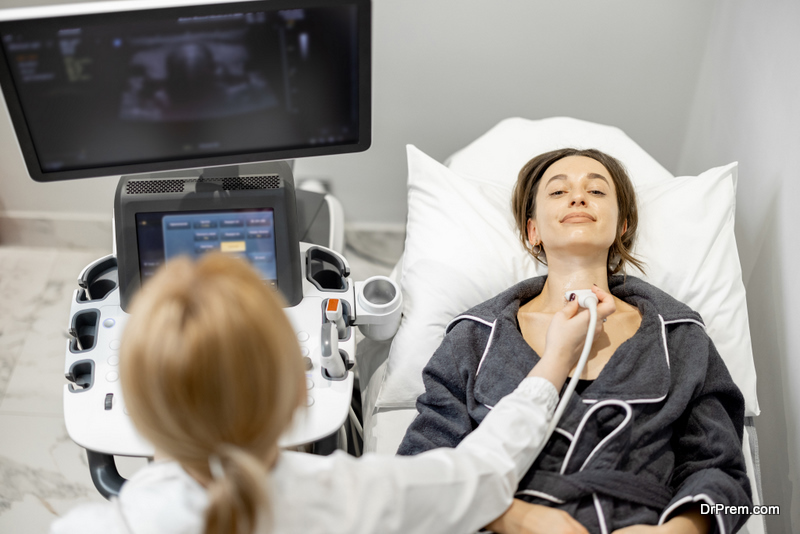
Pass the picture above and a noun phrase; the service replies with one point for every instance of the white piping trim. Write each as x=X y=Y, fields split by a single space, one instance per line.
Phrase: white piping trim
x=471 y=318
x=632 y=401
x=666 y=354
x=564 y=433
x=664 y=337
x=485 y=351
x=582 y=424
x=628 y=416
x=664 y=330
x=690 y=498
x=684 y=321
x=647 y=401
x=477 y=320
x=600 y=517
x=541 y=495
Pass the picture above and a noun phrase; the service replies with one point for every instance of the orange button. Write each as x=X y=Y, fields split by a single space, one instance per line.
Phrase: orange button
x=233 y=246
x=333 y=305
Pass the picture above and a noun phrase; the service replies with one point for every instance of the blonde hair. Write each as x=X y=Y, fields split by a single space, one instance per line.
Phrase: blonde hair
x=212 y=375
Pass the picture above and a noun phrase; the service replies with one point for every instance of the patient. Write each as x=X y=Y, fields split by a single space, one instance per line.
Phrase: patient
x=654 y=428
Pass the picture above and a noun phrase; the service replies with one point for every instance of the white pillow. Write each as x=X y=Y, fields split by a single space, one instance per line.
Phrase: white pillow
x=500 y=153
x=686 y=238
x=462 y=249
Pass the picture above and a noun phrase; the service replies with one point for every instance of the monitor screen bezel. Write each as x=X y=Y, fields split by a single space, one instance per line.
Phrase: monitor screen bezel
x=77 y=12
x=210 y=195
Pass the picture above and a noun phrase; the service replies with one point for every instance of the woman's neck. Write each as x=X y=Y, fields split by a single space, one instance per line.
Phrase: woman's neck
x=566 y=276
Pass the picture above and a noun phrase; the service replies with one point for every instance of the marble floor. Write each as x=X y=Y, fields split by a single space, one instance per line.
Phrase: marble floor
x=42 y=472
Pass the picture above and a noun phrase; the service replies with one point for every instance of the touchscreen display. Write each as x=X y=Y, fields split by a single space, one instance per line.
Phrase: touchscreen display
x=249 y=234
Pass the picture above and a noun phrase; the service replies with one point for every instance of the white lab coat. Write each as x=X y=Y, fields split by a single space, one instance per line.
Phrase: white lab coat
x=444 y=490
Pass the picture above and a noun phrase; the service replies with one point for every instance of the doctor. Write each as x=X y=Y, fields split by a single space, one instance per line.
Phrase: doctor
x=212 y=375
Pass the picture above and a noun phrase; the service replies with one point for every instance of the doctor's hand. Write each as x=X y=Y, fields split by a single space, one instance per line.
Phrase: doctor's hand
x=526 y=518
x=566 y=336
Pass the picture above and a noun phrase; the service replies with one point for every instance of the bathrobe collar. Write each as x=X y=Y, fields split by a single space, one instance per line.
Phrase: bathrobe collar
x=638 y=372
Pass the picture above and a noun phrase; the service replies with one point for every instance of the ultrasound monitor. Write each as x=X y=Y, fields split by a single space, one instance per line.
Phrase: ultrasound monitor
x=128 y=87
x=197 y=103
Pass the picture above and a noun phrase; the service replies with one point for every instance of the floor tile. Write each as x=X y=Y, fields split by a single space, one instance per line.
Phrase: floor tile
x=42 y=472
x=37 y=381
x=378 y=247
x=23 y=275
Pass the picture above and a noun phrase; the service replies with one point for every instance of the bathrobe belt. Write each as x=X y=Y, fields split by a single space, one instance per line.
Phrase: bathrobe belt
x=620 y=484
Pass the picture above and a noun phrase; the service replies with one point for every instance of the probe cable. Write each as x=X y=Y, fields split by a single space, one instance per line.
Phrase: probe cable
x=586 y=299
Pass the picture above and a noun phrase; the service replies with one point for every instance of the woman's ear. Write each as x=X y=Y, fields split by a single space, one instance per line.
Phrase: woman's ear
x=624 y=227
x=533 y=234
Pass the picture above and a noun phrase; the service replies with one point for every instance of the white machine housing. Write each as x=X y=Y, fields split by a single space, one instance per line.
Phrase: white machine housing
x=96 y=417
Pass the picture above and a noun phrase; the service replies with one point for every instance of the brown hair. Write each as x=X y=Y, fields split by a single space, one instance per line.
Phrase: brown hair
x=212 y=376
x=523 y=204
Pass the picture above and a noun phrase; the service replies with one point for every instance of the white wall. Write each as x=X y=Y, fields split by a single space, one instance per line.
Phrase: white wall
x=747 y=108
x=445 y=71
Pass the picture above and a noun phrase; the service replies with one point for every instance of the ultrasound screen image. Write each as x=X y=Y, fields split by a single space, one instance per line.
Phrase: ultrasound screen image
x=194 y=78
x=133 y=91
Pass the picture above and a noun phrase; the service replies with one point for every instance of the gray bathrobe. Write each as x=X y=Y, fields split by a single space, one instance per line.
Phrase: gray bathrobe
x=660 y=427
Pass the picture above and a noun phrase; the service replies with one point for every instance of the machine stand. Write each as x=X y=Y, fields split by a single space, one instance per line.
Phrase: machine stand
x=104 y=473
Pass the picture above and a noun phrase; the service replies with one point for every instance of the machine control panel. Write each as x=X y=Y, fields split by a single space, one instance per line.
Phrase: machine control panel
x=94 y=406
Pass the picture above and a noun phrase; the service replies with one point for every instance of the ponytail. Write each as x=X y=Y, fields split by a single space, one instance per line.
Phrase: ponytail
x=236 y=492
x=211 y=369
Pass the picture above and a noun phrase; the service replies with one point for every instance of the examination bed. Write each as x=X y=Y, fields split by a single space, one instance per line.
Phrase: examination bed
x=461 y=249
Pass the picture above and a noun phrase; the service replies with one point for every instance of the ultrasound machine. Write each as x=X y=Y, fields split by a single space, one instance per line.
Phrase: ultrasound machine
x=200 y=107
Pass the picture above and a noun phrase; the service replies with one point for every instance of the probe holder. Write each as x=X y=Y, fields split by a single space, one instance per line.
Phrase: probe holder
x=379 y=307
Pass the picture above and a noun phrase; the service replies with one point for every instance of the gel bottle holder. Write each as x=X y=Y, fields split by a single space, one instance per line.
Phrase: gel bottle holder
x=326 y=270
x=83 y=331
x=379 y=307
x=98 y=279
x=81 y=376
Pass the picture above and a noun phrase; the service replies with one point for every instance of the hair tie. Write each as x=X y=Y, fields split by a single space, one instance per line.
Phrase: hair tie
x=215 y=466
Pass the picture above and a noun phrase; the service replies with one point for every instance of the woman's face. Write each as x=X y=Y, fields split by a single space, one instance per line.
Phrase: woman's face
x=576 y=208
